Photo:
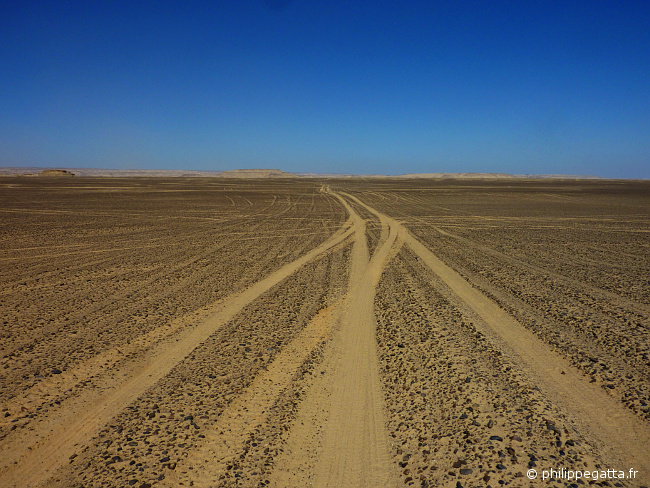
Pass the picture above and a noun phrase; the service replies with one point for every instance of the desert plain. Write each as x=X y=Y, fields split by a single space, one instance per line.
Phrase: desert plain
x=214 y=332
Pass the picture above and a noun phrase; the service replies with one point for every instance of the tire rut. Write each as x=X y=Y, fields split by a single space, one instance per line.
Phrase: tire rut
x=624 y=437
x=32 y=464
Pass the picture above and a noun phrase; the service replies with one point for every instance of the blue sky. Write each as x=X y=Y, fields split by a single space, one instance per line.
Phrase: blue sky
x=355 y=87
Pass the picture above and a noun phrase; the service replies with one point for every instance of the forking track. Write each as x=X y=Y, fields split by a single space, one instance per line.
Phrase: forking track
x=354 y=449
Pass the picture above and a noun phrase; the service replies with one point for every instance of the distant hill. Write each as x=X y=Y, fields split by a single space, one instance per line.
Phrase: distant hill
x=35 y=172
x=55 y=172
x=256 y=173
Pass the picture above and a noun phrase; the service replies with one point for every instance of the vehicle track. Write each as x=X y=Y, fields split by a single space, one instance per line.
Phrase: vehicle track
x=621 y=435
x=31 y=464
x=226 y=440
x=339 y=437
x=346 y=443
x=355 y=450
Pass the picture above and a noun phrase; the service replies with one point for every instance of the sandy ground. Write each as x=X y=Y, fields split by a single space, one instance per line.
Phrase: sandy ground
x=334 y=333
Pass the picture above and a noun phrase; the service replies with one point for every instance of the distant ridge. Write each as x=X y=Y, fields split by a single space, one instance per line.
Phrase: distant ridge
x=55 y=172
x=256 y=173
x=261 y=173
x=49 y=172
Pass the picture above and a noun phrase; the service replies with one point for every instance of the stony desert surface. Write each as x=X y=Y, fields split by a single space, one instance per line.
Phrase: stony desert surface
x=226 y=332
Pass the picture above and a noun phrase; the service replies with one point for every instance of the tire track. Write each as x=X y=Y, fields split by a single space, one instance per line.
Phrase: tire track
x=621 y=435
x=352 y=448
x=227 y=439
x=133 y=292
x=31 y=464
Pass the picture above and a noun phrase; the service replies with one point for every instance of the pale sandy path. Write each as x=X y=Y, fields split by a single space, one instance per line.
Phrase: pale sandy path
x=623 y=437
x=26 y=464
x=294 y=466
x=355 y=450
x=227 y=438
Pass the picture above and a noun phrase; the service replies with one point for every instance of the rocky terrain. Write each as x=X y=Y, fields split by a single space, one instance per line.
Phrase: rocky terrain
x=322 y=332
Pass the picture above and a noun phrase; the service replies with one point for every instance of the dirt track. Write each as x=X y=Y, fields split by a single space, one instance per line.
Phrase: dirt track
x=320 y=334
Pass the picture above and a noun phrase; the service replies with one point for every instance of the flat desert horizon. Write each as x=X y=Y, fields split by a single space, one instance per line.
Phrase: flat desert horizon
x=324 y=332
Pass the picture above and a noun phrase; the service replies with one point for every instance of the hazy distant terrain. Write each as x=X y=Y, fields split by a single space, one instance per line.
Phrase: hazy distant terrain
x=262 y=173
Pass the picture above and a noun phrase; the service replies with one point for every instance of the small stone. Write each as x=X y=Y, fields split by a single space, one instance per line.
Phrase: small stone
x=466 y=471
x=500 y=466
x=56 y=371
x=496 y=438
x=551 y=426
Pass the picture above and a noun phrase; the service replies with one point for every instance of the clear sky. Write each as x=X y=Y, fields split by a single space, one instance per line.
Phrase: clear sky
x=328 y=86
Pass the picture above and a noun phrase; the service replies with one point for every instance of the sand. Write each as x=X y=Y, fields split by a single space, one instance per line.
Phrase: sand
x=328 y=333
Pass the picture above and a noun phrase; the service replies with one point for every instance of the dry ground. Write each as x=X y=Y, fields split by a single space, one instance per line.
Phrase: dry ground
x=339 y=333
